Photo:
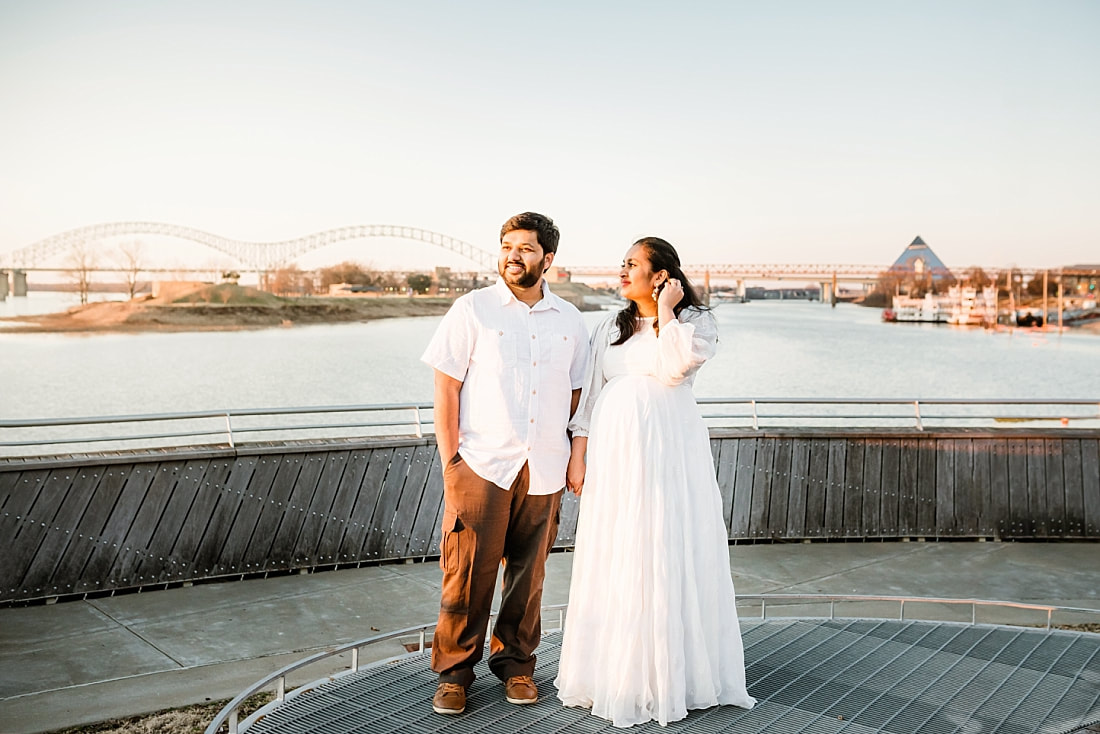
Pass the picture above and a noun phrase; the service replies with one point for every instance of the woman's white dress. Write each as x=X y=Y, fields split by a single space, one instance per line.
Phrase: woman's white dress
x=651 y=630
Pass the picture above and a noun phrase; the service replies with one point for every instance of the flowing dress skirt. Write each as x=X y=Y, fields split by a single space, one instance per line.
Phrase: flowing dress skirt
x=651 y=630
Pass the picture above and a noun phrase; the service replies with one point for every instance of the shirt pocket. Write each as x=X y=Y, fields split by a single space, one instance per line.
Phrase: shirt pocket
x=495 y=348
x=562 y=347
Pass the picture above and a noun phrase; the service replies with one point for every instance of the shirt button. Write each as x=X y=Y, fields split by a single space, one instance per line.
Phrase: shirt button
x=534 y=392
x=501 y=333
x=532 y=420
x=532 y=336
x=534 y=364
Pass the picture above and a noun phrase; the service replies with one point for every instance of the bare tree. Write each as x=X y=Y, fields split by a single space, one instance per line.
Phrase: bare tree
x=131 y=262
x=82 y=262
x=351 y=273
x=290 y=280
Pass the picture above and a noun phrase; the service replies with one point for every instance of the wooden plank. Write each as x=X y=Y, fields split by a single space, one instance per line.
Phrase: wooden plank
x=889 y=523
x=271 y=487
x=982 y=451
x=926 y=487
x=328 y=548
x=382 y=521
x=727 y=473
x=966 y=504
x=229 y=493
x=281 y=555
x=355 y=538
x=319 y=512
x=853 y=488
x=569 y=510
x=871 y=521
x=9 y=490
x=779 y=489
x=817 y=487
x=158 y=565
x=908 y=487
x=1090 y=485
x=18 y=490
x=100 y=571
x=208 y=491
x=67 y=575
x=761 y=488
x=430 y=514
x=412 y=494
x=834 y=488
x=999 y=512
x=945 y=487
x=1037 y=488
x=1075 y=501
x=798 y=488
x=742 y=487
x=33 y=554
x=137 y=541
x=260 y=481
x=1054 y=454
x=1019 y=517
x=21 y=491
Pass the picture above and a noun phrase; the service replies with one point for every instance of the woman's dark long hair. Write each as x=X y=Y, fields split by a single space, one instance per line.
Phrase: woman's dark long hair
x=662 y=256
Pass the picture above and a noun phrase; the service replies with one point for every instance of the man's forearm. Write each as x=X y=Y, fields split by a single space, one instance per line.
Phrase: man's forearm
x=445 y=412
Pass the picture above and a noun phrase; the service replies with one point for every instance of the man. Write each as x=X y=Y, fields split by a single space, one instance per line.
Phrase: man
x=509 y=361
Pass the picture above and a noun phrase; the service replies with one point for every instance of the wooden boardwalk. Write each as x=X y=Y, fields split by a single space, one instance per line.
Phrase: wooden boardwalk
x=98 y=523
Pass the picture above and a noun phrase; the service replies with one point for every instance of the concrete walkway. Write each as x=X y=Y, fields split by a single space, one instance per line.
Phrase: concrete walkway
x=79 y=662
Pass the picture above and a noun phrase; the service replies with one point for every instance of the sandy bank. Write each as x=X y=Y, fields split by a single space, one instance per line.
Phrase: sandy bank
x=148 y=315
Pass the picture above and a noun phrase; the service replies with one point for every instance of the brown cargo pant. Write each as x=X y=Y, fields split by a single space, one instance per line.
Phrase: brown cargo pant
x=483 y=525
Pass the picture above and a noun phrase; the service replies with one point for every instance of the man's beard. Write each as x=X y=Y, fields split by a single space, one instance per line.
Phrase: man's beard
x=528 y=279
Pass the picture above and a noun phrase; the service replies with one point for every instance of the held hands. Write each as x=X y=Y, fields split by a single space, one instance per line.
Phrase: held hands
x=574 y=473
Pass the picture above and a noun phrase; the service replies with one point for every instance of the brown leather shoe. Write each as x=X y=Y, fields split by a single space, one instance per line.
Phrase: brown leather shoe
x=521 y=690
x=449 y=698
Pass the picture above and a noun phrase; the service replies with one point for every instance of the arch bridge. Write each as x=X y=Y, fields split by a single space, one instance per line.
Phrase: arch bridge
x=260 y=256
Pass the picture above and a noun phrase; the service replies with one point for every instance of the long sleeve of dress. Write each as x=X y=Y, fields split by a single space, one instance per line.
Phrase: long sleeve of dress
x=594 y=377
x=684 y=345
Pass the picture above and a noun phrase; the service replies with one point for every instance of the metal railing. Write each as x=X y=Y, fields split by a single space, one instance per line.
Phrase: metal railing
x=913 y=413
x=227 y=428
x=229 y=715
x=231 y=428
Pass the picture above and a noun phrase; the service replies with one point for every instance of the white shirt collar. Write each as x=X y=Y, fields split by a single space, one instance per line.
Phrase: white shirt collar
x=507 y=296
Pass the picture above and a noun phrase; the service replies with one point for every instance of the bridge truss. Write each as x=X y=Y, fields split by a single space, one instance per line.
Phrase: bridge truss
x=260 y=256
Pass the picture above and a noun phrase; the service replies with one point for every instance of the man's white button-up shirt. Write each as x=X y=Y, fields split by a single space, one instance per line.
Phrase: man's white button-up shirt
x=518 y=366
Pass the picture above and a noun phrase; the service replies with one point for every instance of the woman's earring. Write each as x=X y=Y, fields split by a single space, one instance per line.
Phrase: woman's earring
x=656 y=292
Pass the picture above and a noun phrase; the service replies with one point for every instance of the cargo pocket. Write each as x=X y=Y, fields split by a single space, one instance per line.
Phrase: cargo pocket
x=455 y=557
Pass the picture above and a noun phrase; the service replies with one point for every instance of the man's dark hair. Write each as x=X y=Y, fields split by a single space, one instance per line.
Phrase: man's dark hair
x=540 y=224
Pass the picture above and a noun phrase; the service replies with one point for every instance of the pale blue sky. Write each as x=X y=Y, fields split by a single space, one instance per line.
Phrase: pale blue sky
x=741 y=131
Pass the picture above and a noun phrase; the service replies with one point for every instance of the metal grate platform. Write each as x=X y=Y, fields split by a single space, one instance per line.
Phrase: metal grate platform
x=819 y=676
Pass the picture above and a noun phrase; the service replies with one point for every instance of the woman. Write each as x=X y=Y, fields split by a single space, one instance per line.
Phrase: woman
x=652 y=625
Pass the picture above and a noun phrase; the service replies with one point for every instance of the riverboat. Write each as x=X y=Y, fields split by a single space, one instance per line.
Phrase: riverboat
x=929 y=309
x=964 y=306
x=968 y=306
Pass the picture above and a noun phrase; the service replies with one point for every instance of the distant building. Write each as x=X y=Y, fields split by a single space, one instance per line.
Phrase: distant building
x=918 y=260
x=1083 y=280
x=558 y=275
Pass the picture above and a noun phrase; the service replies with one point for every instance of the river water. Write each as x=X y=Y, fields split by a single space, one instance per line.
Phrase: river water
x=767 y=349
